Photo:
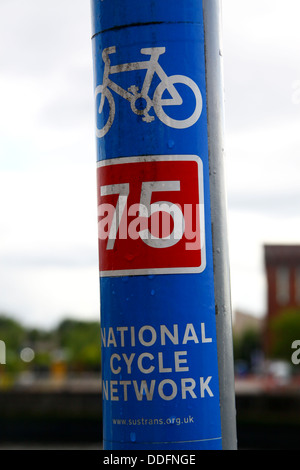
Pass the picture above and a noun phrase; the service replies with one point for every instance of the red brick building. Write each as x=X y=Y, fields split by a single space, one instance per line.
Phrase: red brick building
x=282 y=264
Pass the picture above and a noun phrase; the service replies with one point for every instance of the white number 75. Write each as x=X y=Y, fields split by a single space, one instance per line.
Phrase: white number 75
x=146 y=209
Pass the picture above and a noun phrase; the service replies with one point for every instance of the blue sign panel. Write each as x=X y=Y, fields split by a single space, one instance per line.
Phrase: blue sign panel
x=160 y=382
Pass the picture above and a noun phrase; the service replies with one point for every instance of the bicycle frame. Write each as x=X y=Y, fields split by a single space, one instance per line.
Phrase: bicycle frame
x=133 y=93
x=152 y=66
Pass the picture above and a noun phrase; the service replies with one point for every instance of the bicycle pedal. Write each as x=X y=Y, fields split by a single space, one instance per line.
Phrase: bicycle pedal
x=148 y=118
x=134 y=89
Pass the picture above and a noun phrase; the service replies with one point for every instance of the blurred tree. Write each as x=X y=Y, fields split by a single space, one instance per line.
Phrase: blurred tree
x=81 y=342
x=13 y=334
x=285 y=328
x=246 y=346
x=76 y=343
x=34 y=335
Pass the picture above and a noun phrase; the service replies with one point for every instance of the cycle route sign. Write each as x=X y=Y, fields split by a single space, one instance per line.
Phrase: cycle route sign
x=159 y=351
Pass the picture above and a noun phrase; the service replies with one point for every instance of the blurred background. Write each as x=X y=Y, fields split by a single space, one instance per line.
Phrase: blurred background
x=50 y=386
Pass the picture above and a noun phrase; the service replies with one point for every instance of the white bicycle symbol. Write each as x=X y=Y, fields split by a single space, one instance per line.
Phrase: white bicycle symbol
x=145 y=103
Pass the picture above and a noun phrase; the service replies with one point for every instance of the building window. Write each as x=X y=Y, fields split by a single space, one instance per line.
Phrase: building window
x=298 y=286
x=283 y=285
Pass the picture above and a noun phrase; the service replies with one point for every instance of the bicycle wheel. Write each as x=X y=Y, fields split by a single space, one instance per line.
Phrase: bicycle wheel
x=107 y=122
x=159 y=103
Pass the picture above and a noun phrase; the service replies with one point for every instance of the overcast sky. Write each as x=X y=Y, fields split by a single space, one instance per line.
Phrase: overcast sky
x=48 y=231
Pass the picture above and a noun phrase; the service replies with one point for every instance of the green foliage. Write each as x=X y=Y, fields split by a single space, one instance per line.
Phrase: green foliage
x=81 y=342
x=246 y=345
x=75 y=342
x=13 y=334
x=285 y=328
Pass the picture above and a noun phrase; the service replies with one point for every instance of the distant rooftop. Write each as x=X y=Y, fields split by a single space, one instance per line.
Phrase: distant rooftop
x=275 y=254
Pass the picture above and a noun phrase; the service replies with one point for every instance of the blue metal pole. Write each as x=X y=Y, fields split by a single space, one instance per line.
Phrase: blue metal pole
x=161 y=282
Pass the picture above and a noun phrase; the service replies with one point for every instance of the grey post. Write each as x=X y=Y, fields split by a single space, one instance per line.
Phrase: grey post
x=215 y=112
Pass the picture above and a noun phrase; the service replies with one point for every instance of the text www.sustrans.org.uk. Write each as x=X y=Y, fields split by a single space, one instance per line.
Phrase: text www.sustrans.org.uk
x=153 y=421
